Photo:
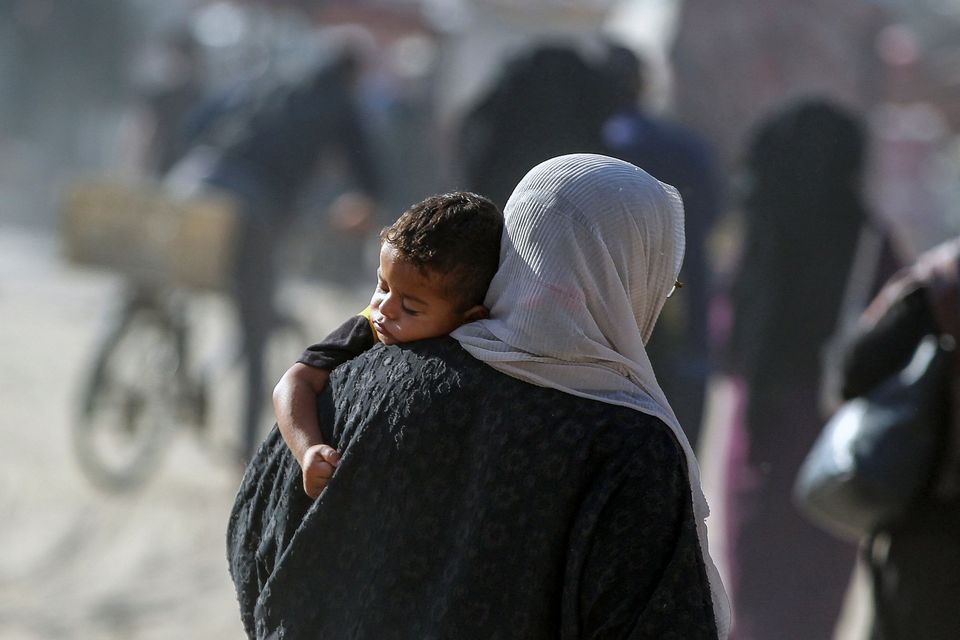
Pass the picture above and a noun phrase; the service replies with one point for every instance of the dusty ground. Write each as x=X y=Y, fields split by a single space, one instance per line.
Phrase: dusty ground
x=76 y=562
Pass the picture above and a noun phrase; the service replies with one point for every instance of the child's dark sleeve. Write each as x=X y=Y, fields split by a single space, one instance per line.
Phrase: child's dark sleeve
x=346 y=342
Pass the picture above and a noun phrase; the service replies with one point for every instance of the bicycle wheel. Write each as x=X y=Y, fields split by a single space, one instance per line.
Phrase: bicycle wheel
x=130 y=400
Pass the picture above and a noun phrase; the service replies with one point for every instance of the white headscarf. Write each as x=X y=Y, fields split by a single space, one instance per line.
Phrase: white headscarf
x=591 y=250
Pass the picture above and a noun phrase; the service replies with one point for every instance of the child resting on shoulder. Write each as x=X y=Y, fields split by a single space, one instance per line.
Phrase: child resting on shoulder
x=436 y=263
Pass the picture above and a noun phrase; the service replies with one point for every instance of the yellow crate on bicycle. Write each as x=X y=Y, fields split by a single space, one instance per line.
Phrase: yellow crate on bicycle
x=145 y=233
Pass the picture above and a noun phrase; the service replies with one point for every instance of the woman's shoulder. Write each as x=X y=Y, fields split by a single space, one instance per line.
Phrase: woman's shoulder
x=433 y=358
x=429 y=359
x=631 y=432
x=439 y=367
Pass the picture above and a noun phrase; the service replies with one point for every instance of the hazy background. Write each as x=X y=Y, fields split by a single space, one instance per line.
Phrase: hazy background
x=76 y=562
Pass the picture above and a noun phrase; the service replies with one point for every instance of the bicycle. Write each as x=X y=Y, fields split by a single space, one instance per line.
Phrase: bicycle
x=144 y=381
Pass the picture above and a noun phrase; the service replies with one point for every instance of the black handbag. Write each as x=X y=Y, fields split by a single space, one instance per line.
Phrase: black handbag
x=878 y=454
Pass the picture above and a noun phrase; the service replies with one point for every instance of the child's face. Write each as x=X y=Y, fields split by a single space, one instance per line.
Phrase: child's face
x=409 y=304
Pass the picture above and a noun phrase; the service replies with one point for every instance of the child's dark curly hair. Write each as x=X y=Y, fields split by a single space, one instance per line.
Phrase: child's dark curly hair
x=456 y=235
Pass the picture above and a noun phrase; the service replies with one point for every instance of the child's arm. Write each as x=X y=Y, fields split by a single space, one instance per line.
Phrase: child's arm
x=295 y=403
x=295 y=399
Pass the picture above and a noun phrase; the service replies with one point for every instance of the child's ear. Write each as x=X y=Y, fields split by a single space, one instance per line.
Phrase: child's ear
x=476 y=312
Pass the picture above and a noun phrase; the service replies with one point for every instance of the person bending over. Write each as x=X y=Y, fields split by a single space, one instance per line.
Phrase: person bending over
x=436 y=262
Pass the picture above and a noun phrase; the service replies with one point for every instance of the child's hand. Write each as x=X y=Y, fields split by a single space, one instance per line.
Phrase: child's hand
x=319 y=463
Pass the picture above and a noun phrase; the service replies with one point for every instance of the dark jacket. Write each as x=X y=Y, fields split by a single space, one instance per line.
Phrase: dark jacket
x=469 y=504
x=272 y=137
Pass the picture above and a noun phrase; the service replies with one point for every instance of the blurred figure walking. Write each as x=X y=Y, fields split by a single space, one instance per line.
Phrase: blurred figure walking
x=914 y=562
x=680 y=157
x=547 y=101
x=804 y=215
x=262 y=144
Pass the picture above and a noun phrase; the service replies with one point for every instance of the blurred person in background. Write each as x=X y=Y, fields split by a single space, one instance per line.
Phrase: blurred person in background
x=262 y=143
x=546 y=101
x=914 y=562
x=804 y=214
x=682 y=158
x=170 y=85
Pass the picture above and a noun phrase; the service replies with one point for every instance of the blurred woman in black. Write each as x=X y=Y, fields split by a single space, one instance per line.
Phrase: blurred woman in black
x=804 y=215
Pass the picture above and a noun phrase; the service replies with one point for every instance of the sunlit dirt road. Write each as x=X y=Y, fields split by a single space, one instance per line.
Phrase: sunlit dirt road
x=76 y=562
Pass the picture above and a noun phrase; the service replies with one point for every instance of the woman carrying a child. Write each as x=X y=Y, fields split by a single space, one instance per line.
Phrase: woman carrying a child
x=523 y=477
x=436 y=262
